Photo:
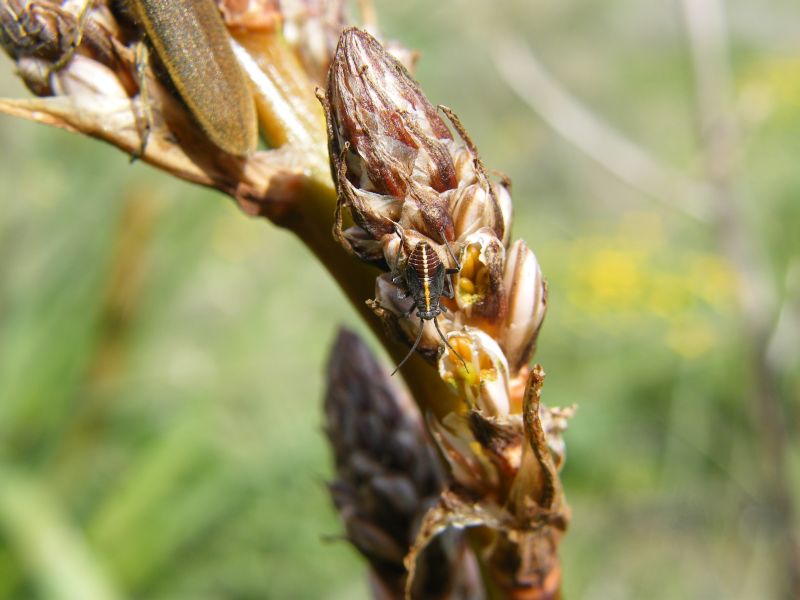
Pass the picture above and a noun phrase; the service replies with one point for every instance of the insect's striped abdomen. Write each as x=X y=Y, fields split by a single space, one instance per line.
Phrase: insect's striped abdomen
x=425 y=262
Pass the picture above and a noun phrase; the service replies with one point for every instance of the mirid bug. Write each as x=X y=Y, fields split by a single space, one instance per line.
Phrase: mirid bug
x=191 y=40
x=424 y=278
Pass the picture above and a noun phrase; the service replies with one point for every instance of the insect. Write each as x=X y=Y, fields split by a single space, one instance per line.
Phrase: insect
x=191 y=40
x=424 y=278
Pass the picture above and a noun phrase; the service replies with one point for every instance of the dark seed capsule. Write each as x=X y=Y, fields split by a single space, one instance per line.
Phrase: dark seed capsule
x=193 y=43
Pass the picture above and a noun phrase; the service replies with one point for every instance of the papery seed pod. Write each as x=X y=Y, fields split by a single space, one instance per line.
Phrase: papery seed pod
x=474 y=206
x=375 y=213
x=41 y=38
x=484 y=383
x=502 y=193
x=472 y=209
x=365 y=247
x=479 y=285
x=396 y=252
x=85 y=79
x=527 y=304
x=312 y=28
x=501 y=441
x=469 y=467
x=554 y=422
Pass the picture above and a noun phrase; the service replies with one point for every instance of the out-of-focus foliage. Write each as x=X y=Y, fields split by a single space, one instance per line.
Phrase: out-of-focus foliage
x=161 y=355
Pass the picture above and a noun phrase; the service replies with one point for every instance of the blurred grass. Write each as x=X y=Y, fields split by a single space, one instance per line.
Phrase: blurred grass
x=161 y=395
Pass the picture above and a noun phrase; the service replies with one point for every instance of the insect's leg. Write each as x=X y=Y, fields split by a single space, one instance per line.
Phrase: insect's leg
x=142 y=59
x=444 y=339
x=338 y=232
x=479 y=167
x=414 y=347
x=397 y=277
x=399 y=231
x=450 y=292
x=341 y=200
x=76 y=37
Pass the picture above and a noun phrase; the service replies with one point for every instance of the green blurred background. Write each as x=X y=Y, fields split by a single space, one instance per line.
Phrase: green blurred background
x=162 y=355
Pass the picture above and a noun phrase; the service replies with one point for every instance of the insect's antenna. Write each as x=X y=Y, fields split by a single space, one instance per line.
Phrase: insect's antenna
x=399 y=231
x=444 y=339
x=414 y=347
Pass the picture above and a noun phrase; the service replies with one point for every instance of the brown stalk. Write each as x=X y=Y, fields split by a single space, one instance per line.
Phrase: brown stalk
x=719 y=136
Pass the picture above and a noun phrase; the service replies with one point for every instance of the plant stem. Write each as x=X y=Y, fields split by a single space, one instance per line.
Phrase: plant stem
x=719 y=136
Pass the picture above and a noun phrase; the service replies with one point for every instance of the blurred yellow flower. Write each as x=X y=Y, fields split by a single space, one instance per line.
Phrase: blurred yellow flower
x=771 y=86
x=634 y=275
x=692 y=338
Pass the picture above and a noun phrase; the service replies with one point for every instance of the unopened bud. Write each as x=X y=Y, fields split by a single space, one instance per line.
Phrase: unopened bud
x=527 y=303
x=386 y=138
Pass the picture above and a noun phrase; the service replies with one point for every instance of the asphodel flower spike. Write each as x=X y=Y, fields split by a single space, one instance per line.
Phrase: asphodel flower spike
x=408 y=176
